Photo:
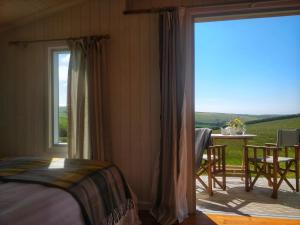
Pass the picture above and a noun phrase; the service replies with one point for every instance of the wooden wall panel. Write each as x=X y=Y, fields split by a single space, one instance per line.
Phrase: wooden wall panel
x=144 y=4
x=16 y=12
x=131 y=89
x=213 y=7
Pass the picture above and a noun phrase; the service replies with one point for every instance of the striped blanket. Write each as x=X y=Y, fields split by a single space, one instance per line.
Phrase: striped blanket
x=99 y=187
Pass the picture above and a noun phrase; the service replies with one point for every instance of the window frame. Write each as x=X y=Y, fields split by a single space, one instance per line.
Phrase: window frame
x=54 y=147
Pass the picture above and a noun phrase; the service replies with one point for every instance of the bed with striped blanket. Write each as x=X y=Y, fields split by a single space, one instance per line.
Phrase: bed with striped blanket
x=64 y=191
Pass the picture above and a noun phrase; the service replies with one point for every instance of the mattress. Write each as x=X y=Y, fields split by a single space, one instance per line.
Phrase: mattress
x=82 y=192
x=30 y=204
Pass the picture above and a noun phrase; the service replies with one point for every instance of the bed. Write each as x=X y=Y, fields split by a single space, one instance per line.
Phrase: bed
x=60 y=191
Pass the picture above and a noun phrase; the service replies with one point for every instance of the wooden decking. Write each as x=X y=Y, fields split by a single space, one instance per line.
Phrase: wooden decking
x=257 y=203
x=213 y=219
x=234 y=171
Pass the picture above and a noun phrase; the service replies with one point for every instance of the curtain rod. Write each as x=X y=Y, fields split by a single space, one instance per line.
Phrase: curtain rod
x=58 y=39
x=250 y=3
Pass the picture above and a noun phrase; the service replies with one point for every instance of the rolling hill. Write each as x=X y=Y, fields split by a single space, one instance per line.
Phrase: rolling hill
x=217 y=120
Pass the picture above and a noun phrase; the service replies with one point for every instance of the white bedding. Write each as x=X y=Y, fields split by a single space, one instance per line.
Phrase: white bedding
x=34 y=204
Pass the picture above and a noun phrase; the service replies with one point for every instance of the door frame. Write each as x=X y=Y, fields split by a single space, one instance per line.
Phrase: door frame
x=245 y=10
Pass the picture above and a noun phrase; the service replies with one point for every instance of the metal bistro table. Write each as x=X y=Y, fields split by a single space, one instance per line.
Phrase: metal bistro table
x=242 y=137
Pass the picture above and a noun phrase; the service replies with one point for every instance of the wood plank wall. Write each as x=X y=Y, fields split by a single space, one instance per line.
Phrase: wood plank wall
x=144 y=4
x=132 y=104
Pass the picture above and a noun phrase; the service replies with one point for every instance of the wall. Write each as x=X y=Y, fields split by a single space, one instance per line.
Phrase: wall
x=131 y=87
x=265 y=4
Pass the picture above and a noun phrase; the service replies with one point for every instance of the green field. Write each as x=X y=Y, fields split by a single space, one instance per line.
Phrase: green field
x=63 y=124
x=217 y=120
x=265 y=131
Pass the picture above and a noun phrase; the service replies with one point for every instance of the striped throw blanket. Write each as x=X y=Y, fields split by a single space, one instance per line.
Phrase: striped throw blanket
x=99 y=187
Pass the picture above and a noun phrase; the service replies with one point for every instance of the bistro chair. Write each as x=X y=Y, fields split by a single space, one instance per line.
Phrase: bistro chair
x=289 y=141
x=212 y=163
x=265 y=161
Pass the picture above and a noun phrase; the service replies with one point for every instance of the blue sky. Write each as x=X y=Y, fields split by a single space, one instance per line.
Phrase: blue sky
x=248 y=66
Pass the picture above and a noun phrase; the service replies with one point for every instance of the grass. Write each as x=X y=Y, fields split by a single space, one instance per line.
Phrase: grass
x=216 y=120
x=63 y=124
x=266 y=133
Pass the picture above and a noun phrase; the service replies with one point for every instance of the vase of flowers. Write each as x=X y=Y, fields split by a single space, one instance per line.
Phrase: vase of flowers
x=236 y=126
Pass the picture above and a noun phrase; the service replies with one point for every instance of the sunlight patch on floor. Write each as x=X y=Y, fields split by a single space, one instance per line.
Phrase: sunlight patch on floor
x=236 y=201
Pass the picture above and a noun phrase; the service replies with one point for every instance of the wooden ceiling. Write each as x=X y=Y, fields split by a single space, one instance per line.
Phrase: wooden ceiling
x=17 y=12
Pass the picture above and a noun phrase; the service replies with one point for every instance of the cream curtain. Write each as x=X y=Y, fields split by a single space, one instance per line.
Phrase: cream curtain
x=78 y=121
x=85 y=107
x=170 y=179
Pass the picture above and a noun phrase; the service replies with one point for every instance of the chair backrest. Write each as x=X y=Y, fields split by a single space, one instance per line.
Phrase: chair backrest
x=288 y=137
x=261 y=152
x=202 y=141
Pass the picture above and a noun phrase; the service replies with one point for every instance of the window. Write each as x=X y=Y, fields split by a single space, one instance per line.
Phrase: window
x=59 y=82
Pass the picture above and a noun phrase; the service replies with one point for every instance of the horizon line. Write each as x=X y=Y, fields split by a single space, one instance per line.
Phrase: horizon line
x=251 y=113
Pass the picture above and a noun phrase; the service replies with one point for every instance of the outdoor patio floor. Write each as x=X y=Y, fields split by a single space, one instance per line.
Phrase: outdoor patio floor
x=236 y=201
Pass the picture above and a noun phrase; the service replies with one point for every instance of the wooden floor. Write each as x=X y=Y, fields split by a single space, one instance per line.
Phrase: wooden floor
x=211 y=219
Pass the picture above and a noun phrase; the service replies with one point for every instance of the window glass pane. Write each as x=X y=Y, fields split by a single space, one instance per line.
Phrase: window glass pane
x=60 y=65
x=63 y=63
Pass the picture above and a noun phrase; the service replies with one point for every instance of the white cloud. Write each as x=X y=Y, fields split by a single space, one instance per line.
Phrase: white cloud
x=63 y=78
x=63 y=66
x=64 y=59
x=63 y=73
